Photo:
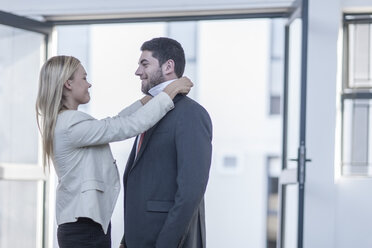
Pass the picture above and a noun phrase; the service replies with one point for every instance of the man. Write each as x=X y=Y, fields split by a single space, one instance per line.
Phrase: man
x=168 y=169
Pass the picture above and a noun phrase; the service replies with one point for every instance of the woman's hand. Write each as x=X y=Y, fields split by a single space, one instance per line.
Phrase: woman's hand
x=180 y=86
x=145 y=99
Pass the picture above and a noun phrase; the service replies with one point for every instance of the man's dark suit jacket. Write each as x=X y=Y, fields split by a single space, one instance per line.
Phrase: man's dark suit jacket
x=164 y=185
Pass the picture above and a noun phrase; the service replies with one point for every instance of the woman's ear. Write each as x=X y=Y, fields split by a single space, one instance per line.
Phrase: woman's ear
x=67 y=84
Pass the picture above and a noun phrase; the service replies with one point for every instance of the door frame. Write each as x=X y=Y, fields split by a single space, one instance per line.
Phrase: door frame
x=287 y=176
x=297 y=175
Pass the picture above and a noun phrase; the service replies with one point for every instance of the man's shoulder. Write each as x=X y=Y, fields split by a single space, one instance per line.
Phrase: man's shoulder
x=191 y=108
x=187 y=102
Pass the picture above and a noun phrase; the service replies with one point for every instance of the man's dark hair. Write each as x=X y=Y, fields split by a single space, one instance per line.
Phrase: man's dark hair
x=163 y=49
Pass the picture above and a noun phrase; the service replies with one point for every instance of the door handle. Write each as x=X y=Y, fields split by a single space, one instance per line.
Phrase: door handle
x=296 y=159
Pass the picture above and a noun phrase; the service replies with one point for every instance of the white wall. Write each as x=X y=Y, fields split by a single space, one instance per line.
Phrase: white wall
x=320 y=190
x=356 y=5
x=337 y=209
x=354 y=204
x=236 y=198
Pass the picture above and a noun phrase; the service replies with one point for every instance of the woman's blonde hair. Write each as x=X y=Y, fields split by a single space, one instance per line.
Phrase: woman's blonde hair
x=54 y=73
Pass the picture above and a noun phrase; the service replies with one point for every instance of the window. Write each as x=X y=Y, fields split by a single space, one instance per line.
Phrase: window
x=276 y=66
x=273 y=171
x=21 y=174
x=357 y=96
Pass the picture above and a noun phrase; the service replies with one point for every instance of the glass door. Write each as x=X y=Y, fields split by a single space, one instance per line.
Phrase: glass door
x=23 y=46
x=292 y=177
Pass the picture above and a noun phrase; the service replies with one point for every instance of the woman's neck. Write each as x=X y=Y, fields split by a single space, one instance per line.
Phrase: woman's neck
x=69 y=105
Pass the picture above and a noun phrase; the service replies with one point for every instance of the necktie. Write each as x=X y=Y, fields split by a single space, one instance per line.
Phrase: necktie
x=140 y=142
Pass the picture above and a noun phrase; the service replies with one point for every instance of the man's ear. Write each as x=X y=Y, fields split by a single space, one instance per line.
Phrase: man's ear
x=168 y=66
x=67 y=84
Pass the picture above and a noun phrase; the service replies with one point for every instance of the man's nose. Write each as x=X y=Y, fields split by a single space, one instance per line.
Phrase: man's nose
x=138 y=72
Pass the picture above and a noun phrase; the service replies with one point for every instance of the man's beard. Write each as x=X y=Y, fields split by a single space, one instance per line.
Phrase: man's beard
x=153 y=80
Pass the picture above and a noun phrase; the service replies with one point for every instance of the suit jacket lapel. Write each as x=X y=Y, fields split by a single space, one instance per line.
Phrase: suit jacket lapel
x=177 y=98
x=130 y=160
x=146 y=139
x=144 y=144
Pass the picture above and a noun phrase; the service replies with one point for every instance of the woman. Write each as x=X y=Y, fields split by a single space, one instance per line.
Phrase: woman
x=88 y=179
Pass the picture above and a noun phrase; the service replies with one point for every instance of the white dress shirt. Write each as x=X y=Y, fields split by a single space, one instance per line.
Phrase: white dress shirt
x=154 y=91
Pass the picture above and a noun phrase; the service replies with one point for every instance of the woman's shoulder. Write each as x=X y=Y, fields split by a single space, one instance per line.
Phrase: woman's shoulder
x=71 y=117
x=73 y=114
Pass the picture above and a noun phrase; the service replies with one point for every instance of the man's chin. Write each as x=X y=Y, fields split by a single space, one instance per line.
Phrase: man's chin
x=145 y=91
x=144 y=88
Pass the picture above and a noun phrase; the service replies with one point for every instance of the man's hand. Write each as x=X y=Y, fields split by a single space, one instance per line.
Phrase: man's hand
x=121 y=246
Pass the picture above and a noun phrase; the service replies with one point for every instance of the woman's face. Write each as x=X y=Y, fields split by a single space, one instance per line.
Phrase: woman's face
x=79 y=86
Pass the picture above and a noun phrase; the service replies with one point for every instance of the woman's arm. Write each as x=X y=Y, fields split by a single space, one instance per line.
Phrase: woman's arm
x=87 y=131
x=131 y=108
x=181 y=85
x=145 y=99
x=84 y=131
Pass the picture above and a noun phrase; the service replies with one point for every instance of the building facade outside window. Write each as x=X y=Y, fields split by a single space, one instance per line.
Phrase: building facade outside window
x=356 y=97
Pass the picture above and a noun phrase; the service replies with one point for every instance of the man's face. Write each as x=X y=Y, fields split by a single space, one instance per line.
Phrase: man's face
x=149 y=71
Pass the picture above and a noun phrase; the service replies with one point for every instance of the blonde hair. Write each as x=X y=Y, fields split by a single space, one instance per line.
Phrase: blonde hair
x=54 y=73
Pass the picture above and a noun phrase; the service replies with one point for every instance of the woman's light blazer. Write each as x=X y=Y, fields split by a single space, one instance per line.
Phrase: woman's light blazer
x=88 y=178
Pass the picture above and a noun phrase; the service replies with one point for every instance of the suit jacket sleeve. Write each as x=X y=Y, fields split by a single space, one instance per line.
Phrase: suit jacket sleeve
x=194 y=150
x=84 y=130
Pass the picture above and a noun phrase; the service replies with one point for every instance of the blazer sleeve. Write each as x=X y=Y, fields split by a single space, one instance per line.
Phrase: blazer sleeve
x=84 y=130
x=194 y=150
x=131 y=108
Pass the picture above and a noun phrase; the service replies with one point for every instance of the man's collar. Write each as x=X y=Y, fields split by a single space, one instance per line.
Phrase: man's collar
x=160 y=87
